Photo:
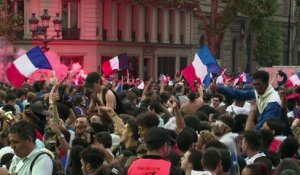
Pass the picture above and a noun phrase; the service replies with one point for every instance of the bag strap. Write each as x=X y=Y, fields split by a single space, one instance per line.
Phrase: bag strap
x=36 y=157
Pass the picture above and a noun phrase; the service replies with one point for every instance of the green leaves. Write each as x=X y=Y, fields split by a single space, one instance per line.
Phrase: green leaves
x=268 y=49
x=11 y=21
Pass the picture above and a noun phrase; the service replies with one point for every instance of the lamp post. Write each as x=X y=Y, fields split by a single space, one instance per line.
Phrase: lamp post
x=37 y=30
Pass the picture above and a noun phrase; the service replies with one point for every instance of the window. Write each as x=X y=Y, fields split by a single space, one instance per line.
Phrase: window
x=70 y=60
x=182 y=26
x=70 y=12
x=147 y=68
x=119 y=21
x=18 y=6
x=159 y=24
x=133 y=68
x=171 y=26
x=183 y=62
x=166 y=66
x=202 y=41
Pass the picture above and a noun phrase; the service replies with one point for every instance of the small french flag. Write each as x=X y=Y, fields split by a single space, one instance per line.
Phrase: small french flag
x=24 y=66
x=117 y=63
x=294 y=80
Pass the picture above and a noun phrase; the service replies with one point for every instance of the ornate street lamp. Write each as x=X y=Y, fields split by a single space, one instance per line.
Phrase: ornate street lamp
x=45 y=18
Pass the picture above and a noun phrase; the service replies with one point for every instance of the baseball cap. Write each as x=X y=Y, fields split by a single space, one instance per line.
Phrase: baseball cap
x=157 y=134
x=39 y=107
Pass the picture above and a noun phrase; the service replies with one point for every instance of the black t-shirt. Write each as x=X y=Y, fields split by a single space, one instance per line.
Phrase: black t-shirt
x=207 y=109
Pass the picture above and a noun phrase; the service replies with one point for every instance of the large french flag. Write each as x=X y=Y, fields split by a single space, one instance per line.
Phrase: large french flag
x=117 y=63
x=24 y=66
x=201 y=68
x=294 y=80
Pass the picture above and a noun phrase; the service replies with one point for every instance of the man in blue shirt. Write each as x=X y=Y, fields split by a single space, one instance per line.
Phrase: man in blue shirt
x=267 y=98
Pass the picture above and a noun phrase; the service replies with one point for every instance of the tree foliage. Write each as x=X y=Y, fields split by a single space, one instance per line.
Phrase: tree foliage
x=11 y=21
x=268 y=49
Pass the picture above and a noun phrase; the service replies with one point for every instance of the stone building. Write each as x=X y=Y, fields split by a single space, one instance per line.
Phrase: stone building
x=156 y=39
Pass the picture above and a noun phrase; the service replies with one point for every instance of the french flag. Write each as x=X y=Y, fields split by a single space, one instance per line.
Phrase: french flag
x=201 y=68
x=117 y=63
x=24 y=66
x=242 y=77
x=294 y=80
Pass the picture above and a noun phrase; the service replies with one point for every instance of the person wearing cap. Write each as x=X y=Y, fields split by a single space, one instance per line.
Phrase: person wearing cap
x=157 y=142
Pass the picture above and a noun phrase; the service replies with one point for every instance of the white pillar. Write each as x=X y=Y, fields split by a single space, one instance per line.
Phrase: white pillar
x=138 y=22
x=187 y=29
x=128 y=23
x=99 y=19
x=110 y=19
x=177 y=63
x=166 y=29
x=153 y=24
x=176 y=27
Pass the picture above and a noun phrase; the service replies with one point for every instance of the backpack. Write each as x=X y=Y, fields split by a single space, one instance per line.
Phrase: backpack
x=119 y=105
x=55 y=169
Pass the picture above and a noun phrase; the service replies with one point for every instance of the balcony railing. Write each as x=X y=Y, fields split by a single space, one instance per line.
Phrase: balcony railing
x=71 y=33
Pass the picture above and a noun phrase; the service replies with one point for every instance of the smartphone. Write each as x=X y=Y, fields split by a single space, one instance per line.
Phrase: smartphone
x=9 y=118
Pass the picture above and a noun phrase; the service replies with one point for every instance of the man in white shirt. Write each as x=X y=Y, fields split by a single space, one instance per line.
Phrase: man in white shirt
x=28 y=158
x=251 y=146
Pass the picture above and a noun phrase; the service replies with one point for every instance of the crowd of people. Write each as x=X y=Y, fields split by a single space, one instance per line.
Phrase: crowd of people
x=99 y=129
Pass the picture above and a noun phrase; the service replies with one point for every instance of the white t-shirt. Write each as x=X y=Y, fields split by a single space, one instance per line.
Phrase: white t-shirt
x=251 y=160
x=236 y=110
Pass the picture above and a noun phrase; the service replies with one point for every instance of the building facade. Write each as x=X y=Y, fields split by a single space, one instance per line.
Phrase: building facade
x=156 y=39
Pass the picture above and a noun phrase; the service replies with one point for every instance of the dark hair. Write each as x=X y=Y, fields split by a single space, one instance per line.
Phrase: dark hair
x=289 y=147
x=75 y=156
x=80 y=142
x=192 y=96
x=63 y=111
x=195 y=158
x=275 y=125
x=98 y=127
x=240 y=122
x=202 y=116
x=266 y=139
x=228 y=120
x=24 y=129
x=184 y=140
x=164 y=97
x=287 y=163
x=258 y=169
x=219 y=96
x=226 y=159
x=104 y=138
x=207 y=97
x=261 y=75
x=215 y=144
x=192 y=122
x=265 y=160
x=148 y=119
x=133 y=128
x=252 y=138
x=92 y=156
x=10 y=97
x=154 y=105
x=92 y=77
x=211 y=158
x=204 y=126
x=20 y=93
